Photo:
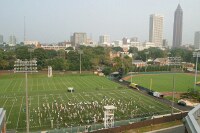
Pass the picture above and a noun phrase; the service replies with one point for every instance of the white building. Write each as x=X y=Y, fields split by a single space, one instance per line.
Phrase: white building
x=197 y=40
x=117 y=43
x=12 y=40
x=54 y=47
x=134 y=39
x=79 y=38
x=156 y=29
x=104 y=40
x=36 y=43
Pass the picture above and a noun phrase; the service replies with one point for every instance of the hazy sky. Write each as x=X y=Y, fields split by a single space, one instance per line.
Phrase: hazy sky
x=54 y=20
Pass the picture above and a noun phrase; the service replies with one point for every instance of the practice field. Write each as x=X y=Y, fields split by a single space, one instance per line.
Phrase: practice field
x=49 y=101
x=163 y=82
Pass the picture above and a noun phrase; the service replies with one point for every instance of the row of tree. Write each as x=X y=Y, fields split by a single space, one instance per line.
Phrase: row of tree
x=91 y=58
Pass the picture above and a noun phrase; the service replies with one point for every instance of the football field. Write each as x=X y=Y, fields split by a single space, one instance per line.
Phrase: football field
x=51 y=104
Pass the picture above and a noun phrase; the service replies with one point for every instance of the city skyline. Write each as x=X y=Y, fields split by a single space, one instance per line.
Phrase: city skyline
x=52 y=21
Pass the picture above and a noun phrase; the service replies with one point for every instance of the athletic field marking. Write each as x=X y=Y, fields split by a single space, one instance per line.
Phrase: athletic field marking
x=10 y=110
x=19 y=113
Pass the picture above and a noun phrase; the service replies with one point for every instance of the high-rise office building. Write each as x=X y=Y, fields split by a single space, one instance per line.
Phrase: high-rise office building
x=197 y=40
x=178 y=24
x=1 y=39
x=156 y=29
x=79 y=38
x=12 y=40
x=104 y=40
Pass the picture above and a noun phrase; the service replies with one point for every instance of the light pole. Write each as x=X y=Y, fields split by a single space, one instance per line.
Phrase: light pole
x=25 y=67
x=80 y=52
x=197 y=55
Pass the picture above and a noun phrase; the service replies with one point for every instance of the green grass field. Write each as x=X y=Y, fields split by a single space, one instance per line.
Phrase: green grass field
x=163 y=82
x=50 y=101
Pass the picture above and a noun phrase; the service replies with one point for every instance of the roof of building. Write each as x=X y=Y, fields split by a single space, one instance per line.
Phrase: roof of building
x=138 y=61
x=192 y=120
x=110 y=107
x=160 y=59
x=2 y=115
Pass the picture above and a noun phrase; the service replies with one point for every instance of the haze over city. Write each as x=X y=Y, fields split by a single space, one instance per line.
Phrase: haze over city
x=53 y=21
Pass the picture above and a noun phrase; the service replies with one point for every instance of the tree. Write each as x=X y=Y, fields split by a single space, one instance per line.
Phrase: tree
x=22 y=52
x=51 y=54
x=41 y=56
x=117 y=49
x=58 y=64
x=73 y=60
x=133 y=50
x=107 y=70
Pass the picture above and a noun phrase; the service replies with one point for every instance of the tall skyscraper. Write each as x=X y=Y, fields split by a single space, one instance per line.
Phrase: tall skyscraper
x=178 y=24
x=156 y=29
x=12 y=40
x=197 y=40
x=79 y=38
x=1 y=39
x=104 y=40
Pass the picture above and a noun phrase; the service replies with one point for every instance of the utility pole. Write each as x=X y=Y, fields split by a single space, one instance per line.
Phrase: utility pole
x=25 y=67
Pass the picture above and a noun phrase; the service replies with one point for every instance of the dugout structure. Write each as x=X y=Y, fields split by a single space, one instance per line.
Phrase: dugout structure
x=109 y=116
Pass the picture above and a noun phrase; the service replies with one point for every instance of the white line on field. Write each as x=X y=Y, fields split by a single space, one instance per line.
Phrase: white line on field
x=5 y=102
x=20 y=85
x=19 y=113
x=10 y=110
x=8 y=85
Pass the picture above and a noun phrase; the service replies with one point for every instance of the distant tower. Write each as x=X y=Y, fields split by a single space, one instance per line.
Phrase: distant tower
x=178 y=24
x=197 y=40
x=156 y=29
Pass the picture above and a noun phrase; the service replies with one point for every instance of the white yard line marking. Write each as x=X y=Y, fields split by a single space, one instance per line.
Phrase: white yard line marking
x=19 y=113
x=5 y=102
x=8 y=85
x=20 y=86
x=10 y=110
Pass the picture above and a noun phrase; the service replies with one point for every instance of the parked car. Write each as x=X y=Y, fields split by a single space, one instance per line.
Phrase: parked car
x=182 y=103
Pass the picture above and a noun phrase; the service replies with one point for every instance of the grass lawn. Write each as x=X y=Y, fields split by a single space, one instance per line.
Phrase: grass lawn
x=49 y=100
x=163 y=82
